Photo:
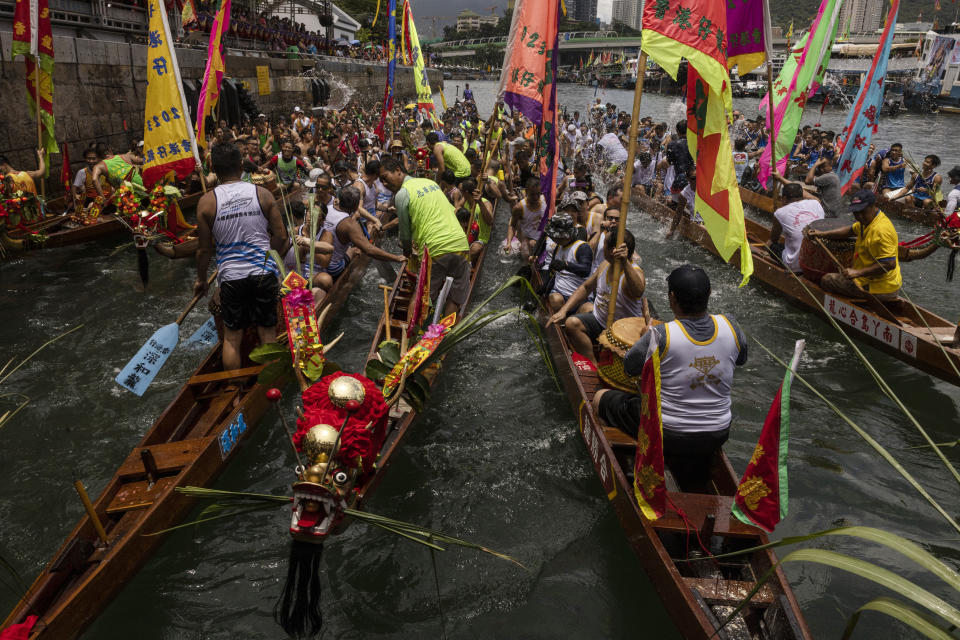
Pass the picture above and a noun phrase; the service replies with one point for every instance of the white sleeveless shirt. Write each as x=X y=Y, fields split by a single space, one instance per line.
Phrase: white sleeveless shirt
x=241 y=233
x=530 y=221
x=627 y=307
x=696 y=377
x=566 y=282
x=338 y=258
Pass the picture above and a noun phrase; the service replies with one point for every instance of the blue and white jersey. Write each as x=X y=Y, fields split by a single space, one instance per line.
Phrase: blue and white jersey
x=241 y=233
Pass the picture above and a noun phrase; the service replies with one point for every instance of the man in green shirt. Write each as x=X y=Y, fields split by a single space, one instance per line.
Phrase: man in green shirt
x=447 y=156
x=427 y=219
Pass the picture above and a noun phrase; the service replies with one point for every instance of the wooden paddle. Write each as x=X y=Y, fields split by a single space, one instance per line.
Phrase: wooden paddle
x=878 y=305
x=144 y=366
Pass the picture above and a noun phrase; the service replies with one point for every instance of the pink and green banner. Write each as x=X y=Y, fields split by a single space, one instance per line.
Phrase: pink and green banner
x=801 y=76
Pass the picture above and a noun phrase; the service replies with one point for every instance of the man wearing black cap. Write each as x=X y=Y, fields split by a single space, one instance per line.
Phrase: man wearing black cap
x=698 y=353
x=953 y=198
x=876 y=269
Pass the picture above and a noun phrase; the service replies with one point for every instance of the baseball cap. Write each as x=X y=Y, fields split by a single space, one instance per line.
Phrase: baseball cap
x=262 y=115
x=571 y=127
x=862 y=199
x=297 y=109
x=578 y=195
x=311 y=181
x=395 y=144
x=560 y=227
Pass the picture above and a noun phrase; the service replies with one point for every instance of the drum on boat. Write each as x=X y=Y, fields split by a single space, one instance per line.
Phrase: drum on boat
x=614 y=344
x=814 y=261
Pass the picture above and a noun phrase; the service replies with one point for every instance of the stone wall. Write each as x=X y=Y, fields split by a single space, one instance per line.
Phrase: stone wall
x=100 y=88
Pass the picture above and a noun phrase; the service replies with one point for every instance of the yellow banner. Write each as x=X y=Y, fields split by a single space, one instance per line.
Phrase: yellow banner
x=263 y=79
x=420 y=78
x=168 y=140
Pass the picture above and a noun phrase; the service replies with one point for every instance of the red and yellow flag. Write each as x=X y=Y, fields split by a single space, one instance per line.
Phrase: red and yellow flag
x=718 y=194
x=761 y=498
x=188 y=14
x=33 y=39
x=648 y=480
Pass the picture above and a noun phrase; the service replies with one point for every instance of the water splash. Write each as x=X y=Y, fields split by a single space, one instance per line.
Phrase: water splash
x=340 y=92
x=837 y=96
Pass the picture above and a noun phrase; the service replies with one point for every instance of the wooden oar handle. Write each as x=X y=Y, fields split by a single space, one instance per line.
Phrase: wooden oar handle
x=195 y=300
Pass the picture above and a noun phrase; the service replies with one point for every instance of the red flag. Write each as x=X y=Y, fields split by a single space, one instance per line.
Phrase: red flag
x=33 y=39
x=761 y=497
x=19 y=631
x=65 y=170
x=648 y=484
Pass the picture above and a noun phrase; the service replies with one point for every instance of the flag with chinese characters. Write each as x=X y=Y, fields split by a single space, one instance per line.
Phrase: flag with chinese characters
x=414 y=55
x=853 y=143
x=749 y=35
x=168 y=142
x=761 y=498
x=708 y=139
x=213 y=75
x=695 y=30
x=527 y=72
x=801 y=76
x=649 y=487
x=391 y=70
x=33 y=39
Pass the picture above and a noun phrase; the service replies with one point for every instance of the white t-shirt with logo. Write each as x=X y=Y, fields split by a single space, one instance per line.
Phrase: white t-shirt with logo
x=793 y=218
x=613 y=149
x=740 y=159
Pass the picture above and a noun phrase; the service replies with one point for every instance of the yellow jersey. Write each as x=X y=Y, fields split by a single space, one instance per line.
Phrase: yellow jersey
x=876 y=242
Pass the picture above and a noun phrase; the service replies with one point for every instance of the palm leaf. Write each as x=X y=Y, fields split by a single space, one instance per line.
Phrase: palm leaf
x=215 y=512
x=279 y=261
x=901 y=545
x=886 y=455
x=204 y=492
x=35 y=352
x=906 y=614
x=376 y=370
x=389 y=352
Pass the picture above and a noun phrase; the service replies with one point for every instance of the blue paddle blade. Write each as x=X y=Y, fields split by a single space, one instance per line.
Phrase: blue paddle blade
x=206 y=334
x=143 y=367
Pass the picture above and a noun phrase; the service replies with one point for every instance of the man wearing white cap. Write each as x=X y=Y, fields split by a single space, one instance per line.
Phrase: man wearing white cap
x=569 y=144
x=300 y=120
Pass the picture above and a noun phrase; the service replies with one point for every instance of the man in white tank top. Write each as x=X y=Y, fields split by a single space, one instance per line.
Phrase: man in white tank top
x=698 y=354
x=525 y=219
x=585 y=327
x=242 y=222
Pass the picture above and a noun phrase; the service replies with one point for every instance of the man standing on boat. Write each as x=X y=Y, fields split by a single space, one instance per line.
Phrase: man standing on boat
x=698 y=354
x=447 y=156
x=117 y=169
x=585 y=327
x=821 y=175
x=427 y=219
x=876 y=269
x=242 y=221
x=23 y=180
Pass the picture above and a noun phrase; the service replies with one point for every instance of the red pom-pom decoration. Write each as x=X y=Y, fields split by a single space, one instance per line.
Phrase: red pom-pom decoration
x=274 y=395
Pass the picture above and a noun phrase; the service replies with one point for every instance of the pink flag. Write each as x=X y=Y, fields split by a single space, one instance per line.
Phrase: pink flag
x=213 y=76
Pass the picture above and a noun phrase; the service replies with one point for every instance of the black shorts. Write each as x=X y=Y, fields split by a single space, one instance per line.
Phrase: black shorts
x=687 y=454
x=250 y=301
x=457 y=267
x=590 y=323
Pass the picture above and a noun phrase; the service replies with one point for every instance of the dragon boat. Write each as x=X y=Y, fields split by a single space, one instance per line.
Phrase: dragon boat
x=697 y=592
x=191 y=442
x=893 y=206
x=913 y=335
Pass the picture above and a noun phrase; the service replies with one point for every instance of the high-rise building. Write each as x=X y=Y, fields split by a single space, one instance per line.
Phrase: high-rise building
x=863 y=16
x=582 y=10
x=470 y=21
x=628 y=12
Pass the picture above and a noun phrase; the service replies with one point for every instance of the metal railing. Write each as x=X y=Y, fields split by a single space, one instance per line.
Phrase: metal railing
x=565 y=36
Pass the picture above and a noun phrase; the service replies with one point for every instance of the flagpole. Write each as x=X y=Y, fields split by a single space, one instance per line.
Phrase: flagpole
x=627 y=186
x=773 y=136
x=36 y=96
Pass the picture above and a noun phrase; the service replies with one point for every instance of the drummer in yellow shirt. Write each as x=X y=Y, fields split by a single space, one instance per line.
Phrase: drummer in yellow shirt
x=876 y=269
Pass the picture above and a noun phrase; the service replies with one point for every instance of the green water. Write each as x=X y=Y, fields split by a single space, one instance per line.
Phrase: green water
x=496 y=459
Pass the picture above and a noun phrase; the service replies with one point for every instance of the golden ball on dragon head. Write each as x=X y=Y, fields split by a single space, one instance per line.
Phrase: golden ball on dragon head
x=347 y=393
x=319 y=441
x=315 y=473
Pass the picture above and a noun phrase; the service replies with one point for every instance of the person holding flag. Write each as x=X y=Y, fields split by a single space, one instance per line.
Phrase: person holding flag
x=697 y=353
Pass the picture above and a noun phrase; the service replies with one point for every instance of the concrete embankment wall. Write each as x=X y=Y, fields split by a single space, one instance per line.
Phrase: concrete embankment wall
x=100 y=89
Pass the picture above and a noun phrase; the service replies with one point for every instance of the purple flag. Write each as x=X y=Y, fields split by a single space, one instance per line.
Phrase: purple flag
x=748 y=34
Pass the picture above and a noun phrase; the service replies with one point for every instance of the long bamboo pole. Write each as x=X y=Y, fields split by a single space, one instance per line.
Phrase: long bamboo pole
x=627 y=182
x=40 y=146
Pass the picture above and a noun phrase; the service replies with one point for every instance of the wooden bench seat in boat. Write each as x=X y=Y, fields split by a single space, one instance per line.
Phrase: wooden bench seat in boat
x=219 y=376
x=729 y=592
x=697 y=506
x=167 y=457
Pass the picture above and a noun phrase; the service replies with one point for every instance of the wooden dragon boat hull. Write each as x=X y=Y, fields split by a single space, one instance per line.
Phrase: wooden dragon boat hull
x=688 y=590
x=929 y=217
x=402 y=415
x=191 y=442
x=909 y=340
